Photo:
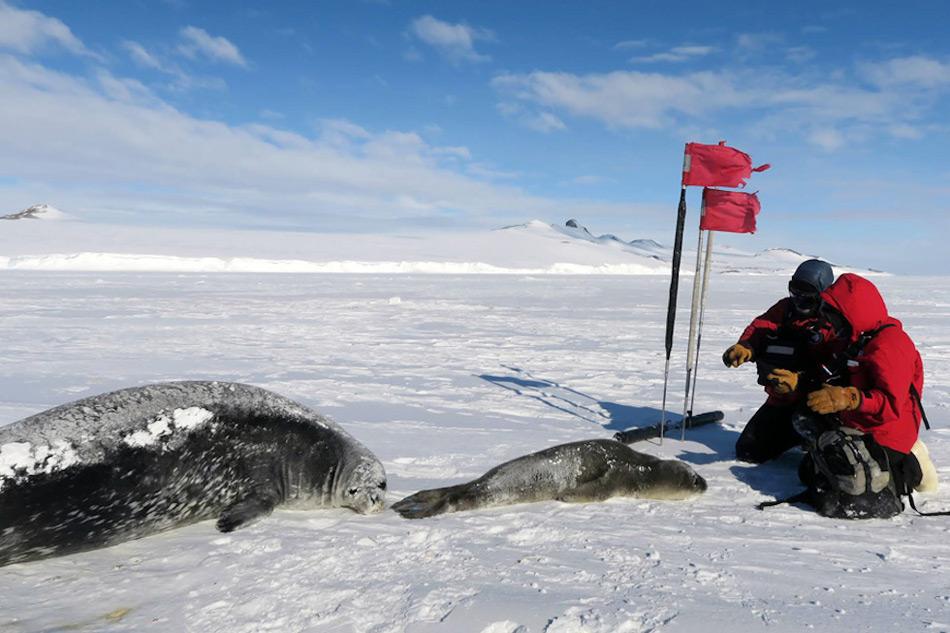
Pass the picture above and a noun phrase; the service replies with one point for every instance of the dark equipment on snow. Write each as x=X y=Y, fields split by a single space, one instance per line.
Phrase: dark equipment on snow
x=649 y=432
x=846 y=473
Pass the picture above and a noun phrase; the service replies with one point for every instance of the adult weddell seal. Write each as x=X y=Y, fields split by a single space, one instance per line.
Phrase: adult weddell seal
x=130 y=463
x=592 y=470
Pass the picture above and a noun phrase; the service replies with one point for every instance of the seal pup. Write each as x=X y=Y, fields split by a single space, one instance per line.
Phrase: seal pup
x=591 y=470
x=126 y=464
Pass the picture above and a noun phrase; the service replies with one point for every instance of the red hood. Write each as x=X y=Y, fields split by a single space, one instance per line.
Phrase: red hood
x=859 y=301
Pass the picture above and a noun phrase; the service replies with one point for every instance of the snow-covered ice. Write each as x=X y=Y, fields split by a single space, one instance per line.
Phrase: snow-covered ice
x=458 y=374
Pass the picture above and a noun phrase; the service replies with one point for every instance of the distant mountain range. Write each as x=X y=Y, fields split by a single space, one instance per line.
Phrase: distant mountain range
x=726 y=260
x=535 y=247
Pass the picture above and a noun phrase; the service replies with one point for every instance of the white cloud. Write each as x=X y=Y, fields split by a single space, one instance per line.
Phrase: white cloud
x=587 y=180
x=181 y=79
x=342 y=129
x=124 y=89
x=109 y=137
x=629 y=44
x=141 y=56
x=676 y=54
x=770 y=102
x=454 y=41
x=545 y=122
x=196 y=41
x=827 y=139
x=918 y=70
x=905 y=131
x=489 y=172
x=628 y=99
x=28 y=32
x=454 y=151
x=758 y=41
x=800 y=54
x=539 y=121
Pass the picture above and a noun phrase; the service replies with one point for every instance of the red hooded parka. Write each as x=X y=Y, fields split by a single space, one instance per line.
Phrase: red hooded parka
x=886 y=368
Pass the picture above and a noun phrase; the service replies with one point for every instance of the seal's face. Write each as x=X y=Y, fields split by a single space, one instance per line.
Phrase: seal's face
x=676 y=480
x=363 y=489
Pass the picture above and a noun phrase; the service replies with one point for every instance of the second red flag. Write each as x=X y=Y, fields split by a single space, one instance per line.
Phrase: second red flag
x=730 y=211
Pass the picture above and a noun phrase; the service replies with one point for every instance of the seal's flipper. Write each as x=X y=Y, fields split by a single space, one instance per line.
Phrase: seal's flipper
x=244 y=512
x=427 y=503
x=586 y=493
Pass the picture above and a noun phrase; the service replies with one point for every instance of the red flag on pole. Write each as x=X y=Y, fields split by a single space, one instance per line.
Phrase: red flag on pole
x=730 y=211
x=716 y=166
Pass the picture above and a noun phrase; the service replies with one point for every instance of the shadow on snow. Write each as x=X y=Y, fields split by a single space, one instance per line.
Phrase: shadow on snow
x=611 y=416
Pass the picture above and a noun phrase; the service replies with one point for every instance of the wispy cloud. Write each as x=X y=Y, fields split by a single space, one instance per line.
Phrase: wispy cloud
x=917 y=70
x=542 y=121
x=828 y=139
x=676 y=54
x=181 y=80
x=198 y=42
x=758 y=41
x=627 y=99
x=545 y=122
x=800 y=54
x=141 y=56
x=456 y=42
x=626 y=45
x=343 y=174
x=587 y=180
x=28 y=32
x=828 y=110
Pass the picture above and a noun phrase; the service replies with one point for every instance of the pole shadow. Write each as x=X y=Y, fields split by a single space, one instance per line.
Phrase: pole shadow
x=611 y=416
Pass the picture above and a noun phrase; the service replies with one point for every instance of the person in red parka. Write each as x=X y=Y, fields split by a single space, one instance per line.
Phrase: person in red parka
x=786 y=339
x=883 y=381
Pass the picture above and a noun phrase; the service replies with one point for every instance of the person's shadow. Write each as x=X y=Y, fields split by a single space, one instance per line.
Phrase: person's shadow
x=777 y=478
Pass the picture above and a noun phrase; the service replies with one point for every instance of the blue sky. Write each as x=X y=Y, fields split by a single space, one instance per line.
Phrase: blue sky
x=383 y=116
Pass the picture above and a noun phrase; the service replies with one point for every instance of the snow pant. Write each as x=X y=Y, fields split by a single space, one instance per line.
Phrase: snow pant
x=768 y=434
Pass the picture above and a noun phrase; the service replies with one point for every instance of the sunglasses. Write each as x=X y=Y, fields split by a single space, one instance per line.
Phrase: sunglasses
x=804 y=300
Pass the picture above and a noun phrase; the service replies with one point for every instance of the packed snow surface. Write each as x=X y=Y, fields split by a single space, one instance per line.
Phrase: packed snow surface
x=444 y=377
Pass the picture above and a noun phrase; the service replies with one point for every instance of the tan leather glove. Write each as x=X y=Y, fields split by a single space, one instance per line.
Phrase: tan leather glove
x=736 y=355
x=830 y=399
x=784 y=381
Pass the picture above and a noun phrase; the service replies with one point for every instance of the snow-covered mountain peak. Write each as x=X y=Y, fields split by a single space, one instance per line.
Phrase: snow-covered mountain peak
x=36 y=212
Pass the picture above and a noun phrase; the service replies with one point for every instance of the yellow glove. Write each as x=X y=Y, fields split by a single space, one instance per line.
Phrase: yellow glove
x=784 y=381
x=830 y=399
x=736 y=355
